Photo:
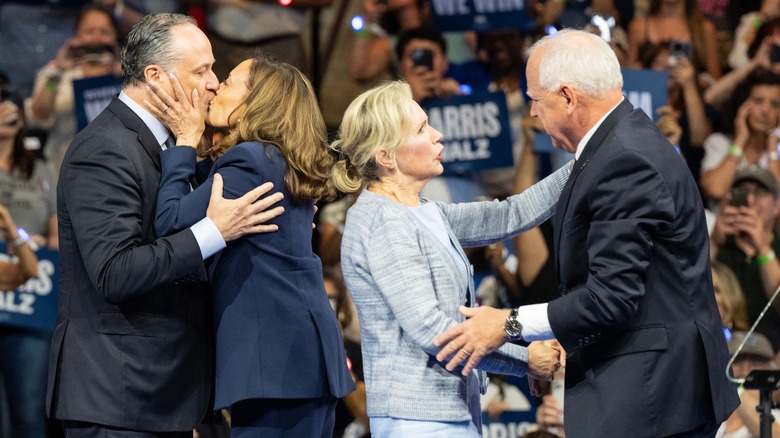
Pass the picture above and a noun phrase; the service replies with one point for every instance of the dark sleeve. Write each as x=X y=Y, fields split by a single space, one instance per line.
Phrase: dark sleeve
x=179 y=207
x=103 y=196
x=629 y=206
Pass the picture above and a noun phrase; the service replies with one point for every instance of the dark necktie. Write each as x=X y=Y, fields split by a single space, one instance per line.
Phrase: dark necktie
x=169 y=142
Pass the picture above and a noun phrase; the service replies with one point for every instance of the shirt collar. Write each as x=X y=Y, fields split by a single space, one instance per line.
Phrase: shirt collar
x=589 y=134
x=159 y=130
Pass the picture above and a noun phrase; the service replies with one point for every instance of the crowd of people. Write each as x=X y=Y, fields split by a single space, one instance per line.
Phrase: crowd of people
x=225 y=255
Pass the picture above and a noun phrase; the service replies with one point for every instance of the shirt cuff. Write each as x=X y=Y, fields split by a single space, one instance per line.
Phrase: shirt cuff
x=536 y=325
x=209 y=238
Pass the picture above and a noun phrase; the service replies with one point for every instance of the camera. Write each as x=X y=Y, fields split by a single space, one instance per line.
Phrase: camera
x=680 y=49
x=7 y=94
x=423 y=57
x=739 y=197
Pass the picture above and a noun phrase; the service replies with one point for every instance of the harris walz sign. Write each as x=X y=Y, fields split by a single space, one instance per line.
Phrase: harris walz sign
x=476 y=131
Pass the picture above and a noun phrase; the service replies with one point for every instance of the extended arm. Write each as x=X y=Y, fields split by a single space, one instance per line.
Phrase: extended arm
x=482 y=223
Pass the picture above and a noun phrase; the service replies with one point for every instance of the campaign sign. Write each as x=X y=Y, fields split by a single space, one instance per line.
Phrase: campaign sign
x=480 y=15
x=645 y=89
x=511 y=424
x=476 y=130
x=34 y=304
x=92 y=95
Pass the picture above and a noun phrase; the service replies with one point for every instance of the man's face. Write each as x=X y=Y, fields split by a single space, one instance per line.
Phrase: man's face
x=503 y=49
x=440 y=63
x=549 y=107
x=760 y=198
x=194 y=68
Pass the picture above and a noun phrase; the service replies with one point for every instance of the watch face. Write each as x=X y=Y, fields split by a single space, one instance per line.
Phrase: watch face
x=513 y=327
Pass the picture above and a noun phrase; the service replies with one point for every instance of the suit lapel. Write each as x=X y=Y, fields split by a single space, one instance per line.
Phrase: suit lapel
x=135 y=124
x=595 y=142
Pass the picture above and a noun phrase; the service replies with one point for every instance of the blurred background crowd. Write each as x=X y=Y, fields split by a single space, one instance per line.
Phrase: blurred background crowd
x=721 y=60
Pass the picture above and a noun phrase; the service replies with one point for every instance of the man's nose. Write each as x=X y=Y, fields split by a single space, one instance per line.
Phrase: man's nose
x=212 y=84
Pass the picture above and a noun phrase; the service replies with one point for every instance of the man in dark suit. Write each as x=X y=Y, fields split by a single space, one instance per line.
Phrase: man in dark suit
x=132 y=350
x=637 y=316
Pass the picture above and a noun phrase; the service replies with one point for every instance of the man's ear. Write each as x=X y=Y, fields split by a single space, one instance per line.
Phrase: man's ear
x=569 y=97
x=153 y=73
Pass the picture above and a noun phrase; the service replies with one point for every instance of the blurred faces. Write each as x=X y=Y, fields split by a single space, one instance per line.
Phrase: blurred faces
x=549 y=107
x=227 y=106
x=11 y=120
x=764 y=101
x=96 y=28
x=440 y=63
x=760 y=199
x=193 y=69
x=503 y=49
x=420 y=156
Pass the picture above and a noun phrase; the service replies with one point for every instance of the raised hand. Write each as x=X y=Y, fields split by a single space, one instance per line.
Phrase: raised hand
x=178 y=113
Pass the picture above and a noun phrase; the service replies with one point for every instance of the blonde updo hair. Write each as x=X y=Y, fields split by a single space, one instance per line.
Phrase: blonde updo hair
x=378 y=118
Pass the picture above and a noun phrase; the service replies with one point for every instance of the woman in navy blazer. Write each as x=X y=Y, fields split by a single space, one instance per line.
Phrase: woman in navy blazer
x=280 y=362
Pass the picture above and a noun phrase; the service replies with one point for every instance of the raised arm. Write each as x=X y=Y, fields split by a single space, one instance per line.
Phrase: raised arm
x=14 y=274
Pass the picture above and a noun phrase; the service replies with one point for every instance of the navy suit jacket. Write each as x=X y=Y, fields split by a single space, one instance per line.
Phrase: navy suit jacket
x=276 y=333
x=647 y=354
x=132 y=346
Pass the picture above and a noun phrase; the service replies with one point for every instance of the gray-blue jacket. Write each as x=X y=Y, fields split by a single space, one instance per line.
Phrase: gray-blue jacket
x=407 y=288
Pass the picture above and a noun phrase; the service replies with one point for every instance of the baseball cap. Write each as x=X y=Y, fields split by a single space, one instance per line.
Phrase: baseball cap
x=756 y=345
x=759 y=175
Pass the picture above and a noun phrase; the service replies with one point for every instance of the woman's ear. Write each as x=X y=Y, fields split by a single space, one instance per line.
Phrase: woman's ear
x=385 y=159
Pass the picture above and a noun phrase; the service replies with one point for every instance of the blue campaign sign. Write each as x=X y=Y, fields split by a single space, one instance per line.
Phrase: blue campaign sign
x=511 y=424
x=476 y=130
x=92 y=95
x=480 y=15
x=646 y=89
x=34 y=304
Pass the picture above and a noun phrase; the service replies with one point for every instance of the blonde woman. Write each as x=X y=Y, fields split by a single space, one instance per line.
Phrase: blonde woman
x=280 y=362
x=404 y=265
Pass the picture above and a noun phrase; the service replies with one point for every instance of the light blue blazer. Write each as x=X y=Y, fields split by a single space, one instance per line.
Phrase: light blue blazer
x=407 y=288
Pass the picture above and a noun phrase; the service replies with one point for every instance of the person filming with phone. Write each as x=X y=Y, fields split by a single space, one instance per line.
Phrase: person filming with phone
x=422 y=55
x=92 y=52
x=744 y=240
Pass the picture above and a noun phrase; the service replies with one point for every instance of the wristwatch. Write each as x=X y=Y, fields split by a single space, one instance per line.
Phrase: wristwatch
x=512 y=327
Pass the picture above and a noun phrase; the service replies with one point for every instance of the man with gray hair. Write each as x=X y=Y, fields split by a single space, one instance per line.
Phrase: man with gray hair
x=637 y=316
x=132 y=352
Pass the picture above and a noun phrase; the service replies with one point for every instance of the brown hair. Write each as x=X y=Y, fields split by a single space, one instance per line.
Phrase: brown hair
x=695 y=19
x=281 y=109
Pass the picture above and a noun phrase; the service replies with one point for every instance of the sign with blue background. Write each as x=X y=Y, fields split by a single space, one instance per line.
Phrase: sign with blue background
x=33 y=305
x=92 y=95
x=476 y=131
x=479 y=15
